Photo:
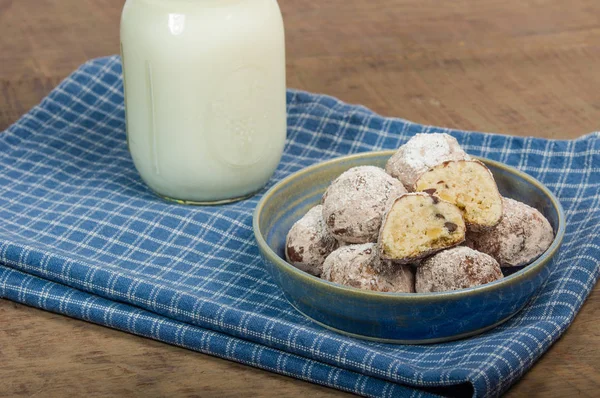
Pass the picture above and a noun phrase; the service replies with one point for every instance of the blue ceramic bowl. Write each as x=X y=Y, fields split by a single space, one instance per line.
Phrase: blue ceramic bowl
x=397 y=317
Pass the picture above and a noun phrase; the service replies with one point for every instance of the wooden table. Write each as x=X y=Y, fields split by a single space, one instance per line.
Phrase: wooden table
x=523 y=67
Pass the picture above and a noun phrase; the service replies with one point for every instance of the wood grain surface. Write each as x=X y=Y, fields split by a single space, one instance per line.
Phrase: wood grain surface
x=522 y=67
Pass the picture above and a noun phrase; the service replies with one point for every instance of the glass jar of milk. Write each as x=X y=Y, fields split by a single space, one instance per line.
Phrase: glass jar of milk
x=205 y=97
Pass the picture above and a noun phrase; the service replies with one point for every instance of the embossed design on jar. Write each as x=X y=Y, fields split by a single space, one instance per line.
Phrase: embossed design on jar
x=239 y=122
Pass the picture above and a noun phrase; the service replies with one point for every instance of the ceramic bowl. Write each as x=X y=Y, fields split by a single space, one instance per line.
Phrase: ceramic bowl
x=404 y=318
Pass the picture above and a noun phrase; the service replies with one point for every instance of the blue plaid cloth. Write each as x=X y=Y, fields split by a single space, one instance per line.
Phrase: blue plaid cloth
x=81 y=235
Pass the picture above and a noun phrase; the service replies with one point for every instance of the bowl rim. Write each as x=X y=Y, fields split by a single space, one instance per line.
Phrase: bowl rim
x=521 y=275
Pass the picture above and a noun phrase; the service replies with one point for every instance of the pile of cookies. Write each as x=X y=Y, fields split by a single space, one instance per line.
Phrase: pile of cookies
x=432 y=221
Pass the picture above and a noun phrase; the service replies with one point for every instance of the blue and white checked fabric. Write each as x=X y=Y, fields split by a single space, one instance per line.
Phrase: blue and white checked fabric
x=81 y=235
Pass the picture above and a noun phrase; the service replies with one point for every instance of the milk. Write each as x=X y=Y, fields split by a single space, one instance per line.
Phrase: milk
x=204 y=95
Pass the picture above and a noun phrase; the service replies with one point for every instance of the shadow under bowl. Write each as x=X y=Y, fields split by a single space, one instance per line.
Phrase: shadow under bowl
x=403 y=318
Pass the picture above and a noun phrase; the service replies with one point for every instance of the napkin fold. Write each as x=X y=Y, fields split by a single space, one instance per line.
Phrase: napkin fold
x=81 y=235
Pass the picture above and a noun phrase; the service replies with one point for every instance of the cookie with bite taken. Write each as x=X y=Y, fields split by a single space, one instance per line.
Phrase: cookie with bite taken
x=468 y=184
x=417 y=225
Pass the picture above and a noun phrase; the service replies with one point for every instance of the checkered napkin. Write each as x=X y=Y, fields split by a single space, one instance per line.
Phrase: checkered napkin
x=81 y=235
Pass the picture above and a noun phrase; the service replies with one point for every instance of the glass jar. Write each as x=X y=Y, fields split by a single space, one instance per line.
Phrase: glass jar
x=205 y=96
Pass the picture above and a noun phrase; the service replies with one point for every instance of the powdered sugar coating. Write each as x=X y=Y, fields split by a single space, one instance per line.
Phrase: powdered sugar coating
x=360 y=266
x=420 y=153
x=521 y=236
x=309 y=243
x=341 y=243
x=457 y=268
x=354 y=203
